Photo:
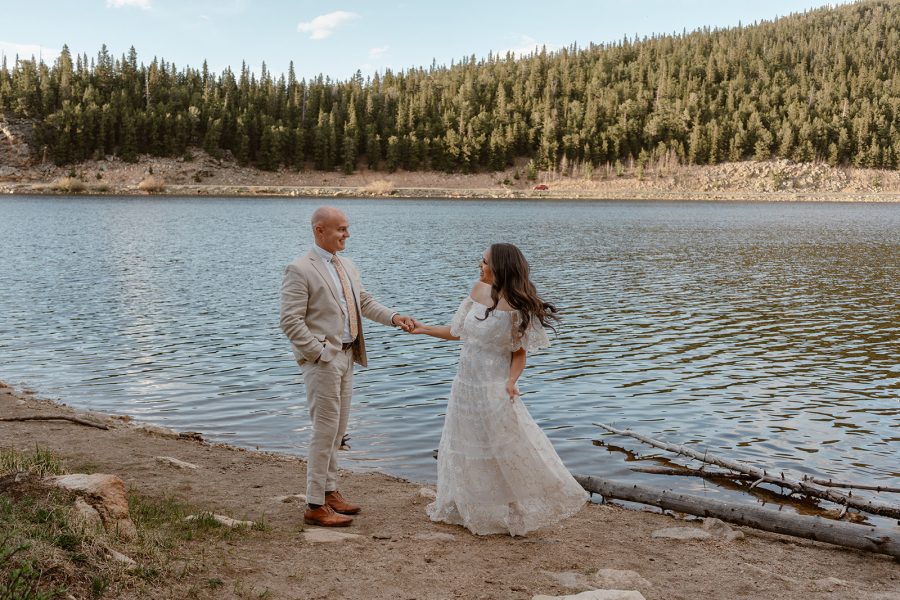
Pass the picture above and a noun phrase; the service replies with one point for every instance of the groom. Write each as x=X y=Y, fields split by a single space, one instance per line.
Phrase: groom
x=322 y=302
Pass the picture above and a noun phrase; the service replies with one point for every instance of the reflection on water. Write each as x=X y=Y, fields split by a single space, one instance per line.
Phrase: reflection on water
x=765 y=332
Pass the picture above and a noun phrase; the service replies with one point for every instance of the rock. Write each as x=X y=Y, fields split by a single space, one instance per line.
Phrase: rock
x=87 y=515
x=319 y=535
x=613 y=579
x=681 y=533
x=221 y=520
x=427 y=493
x=121 y=558
x=174 y=462
x=106 y=494
x=721 y=529
x=160 y=431
x=299 y=498
x=434 y=537
x=570 y=579
x=829 y=583
x=381 y=536
x=596 y=595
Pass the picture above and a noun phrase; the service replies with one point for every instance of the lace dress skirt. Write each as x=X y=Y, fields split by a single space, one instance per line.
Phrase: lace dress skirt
x=497 y=471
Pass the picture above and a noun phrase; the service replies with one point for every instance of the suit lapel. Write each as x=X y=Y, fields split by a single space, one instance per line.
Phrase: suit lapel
x=319 y=265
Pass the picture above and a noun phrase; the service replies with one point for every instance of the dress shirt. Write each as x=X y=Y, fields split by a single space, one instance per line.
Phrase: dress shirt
x=328 y=257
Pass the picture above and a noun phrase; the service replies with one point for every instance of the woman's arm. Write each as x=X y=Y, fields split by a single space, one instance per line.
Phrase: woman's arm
x=438 y=331
x=516 y=366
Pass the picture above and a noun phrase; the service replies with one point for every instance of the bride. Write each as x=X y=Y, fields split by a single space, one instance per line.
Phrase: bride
x=497 y=471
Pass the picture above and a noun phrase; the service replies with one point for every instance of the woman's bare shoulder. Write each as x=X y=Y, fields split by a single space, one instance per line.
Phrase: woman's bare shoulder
x=481 y=293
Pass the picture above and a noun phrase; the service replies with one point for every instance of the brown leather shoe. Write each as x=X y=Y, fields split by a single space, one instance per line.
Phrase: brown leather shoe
x=324 y=516
x=337 y=502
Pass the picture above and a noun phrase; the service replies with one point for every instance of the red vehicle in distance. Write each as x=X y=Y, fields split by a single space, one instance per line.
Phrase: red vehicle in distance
x=541 y=187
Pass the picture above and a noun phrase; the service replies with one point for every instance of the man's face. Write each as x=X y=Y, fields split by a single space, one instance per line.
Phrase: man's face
x=332 y=233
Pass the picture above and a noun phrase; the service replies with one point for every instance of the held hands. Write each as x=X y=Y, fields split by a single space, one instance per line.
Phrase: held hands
x=404 y=322
x=419 y=327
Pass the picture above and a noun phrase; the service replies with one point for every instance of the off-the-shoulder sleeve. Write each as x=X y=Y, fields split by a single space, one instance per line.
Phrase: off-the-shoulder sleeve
x=534 y=338
x=459 y=319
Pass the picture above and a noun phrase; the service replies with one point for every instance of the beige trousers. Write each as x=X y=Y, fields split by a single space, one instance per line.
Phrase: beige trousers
x=328 y=390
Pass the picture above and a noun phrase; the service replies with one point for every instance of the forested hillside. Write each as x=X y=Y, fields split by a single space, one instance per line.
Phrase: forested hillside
x=823 y=85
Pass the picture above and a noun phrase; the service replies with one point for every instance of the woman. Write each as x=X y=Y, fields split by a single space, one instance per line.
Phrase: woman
x=497 y=471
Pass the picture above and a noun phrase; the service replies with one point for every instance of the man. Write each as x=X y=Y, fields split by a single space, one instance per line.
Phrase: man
x=322 y=302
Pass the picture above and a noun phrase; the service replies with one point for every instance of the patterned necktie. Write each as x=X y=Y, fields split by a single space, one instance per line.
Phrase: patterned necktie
x=348 y=296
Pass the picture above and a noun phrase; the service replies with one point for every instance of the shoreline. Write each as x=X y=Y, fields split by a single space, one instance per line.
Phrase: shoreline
x=437 y=193
x=202 y=175
x=400 y=553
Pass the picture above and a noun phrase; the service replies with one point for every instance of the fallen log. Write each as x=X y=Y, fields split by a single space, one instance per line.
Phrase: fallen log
x=57 y=418
x=871 y=506
x=840 y=533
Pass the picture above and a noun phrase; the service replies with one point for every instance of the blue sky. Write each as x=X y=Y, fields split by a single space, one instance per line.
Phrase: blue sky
x=337 y=38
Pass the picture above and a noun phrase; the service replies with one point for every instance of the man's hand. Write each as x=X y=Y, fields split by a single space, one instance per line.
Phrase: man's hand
x=404 y=322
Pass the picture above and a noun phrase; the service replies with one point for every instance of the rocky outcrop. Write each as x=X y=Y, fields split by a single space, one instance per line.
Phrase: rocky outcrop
x=16 y=141
x=105 y=494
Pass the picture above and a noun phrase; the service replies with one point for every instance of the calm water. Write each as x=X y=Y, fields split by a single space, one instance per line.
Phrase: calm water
x=766 y=332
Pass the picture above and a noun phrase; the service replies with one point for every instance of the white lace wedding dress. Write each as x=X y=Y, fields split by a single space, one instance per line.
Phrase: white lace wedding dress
x=497 y=471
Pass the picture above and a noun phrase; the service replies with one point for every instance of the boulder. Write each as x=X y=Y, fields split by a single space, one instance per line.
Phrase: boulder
x=86 y=515
x=105 y=493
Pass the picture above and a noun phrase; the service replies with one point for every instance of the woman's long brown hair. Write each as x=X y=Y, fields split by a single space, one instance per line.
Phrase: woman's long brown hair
x=512 y=283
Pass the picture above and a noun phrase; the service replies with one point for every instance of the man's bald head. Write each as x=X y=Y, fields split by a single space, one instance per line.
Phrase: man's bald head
x=330 y=228
x=324 y=214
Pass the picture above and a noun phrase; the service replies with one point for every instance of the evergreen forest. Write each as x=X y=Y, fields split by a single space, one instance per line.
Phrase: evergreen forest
x=819 y=86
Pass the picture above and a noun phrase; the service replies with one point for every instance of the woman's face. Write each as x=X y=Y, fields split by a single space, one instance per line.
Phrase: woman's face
x=486 y=275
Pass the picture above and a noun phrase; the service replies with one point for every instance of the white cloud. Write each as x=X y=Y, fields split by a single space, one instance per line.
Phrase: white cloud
x=144 y=4
x=324 y=25
x=376 y=52
x=26 y=51
x=526 y=46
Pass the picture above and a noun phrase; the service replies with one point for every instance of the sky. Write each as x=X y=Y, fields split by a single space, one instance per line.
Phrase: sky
x=338 y=38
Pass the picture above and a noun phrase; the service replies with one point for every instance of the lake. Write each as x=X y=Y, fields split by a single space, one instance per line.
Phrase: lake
x=765 y=332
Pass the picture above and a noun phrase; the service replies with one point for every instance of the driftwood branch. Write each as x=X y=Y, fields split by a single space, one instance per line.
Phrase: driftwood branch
x=871 y=506
x=57 y=418
x=861 y=537
x=688 y=472
x=851 y=485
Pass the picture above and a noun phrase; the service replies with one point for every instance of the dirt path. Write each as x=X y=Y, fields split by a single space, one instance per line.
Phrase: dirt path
x=400 y=554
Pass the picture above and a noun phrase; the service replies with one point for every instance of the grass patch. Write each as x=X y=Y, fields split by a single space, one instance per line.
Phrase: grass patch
x=380 y=187
x=71 y=185
x=47 y=552
x=152 y=184
x=41 y=462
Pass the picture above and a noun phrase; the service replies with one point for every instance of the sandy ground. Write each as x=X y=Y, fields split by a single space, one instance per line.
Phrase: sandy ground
x=396 y=555
x=776 y=180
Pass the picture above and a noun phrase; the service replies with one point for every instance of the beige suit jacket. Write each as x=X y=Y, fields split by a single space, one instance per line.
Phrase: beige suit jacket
x=311 y=314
